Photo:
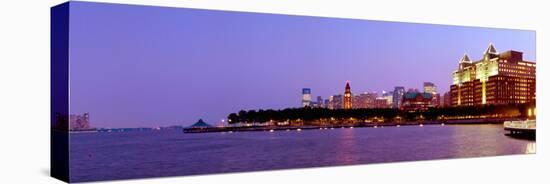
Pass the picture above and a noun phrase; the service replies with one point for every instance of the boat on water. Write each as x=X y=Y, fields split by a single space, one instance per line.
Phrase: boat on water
x=521 y=127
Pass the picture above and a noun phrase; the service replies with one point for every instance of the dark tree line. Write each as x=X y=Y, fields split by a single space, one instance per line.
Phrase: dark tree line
x=309 y=114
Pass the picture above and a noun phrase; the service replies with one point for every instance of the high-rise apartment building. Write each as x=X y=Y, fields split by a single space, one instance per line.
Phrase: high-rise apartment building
x=498 y=78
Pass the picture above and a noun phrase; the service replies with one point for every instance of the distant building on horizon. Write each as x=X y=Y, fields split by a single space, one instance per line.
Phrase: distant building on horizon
x=306 y=97
x=388 y=96
x=360 y=100
x=413 y=90
x=498 y=78
x=337 y=101
x=365 y=100
x=347 y=97
x=380 y=103
x=79 y=122
x=436 y=100
x=319 y=102
x=398 y=93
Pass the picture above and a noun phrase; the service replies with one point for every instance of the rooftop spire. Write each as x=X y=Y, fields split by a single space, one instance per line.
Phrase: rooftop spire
x=491 y=49
x=465 y=59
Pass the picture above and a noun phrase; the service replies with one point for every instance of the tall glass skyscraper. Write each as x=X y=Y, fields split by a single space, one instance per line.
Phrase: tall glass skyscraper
x=306 y=97
x=398 y=93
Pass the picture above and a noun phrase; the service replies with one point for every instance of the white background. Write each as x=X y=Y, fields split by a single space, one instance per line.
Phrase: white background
x=24 y=90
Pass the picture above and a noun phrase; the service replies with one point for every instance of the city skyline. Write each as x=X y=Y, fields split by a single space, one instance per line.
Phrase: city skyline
x=372 y=99
x=160 y=71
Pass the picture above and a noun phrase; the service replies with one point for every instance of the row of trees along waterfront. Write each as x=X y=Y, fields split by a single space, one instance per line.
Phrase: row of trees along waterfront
x=316 y=116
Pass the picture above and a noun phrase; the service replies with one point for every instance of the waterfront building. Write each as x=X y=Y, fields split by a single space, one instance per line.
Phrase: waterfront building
x=337 y=101
x=330 y=103
x=413 y=90
x=398 y=93
x=365 y=100
x=79 y=122
x=319 y=102
x=347 y=97
x=498 y=78
x=430 y=88
x=360 y=100
x=414 y=100
x=371 y=99
x=313 y=104
x=388 y=96
x=306 y=97
x=327 y=104
x=436 y=101
x=381 y=102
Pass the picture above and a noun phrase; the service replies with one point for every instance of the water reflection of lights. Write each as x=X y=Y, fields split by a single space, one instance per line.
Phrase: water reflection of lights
x=531 y=148
x=347 y=148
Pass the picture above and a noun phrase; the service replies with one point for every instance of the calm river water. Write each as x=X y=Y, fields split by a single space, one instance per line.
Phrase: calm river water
x=125 y=155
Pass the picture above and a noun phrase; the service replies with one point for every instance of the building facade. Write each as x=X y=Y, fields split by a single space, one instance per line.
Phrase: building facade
x=498 y=78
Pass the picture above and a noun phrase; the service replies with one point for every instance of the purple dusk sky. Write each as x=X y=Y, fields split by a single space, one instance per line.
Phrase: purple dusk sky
x=143 y=66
